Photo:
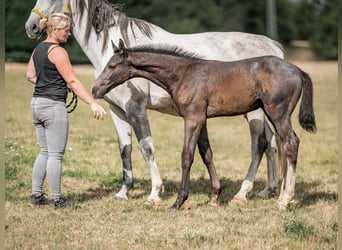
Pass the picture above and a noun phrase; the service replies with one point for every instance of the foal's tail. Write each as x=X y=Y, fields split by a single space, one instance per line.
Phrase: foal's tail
x=306 y=112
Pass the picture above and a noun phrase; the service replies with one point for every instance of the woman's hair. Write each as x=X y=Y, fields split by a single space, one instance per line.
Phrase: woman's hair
x=56 y=20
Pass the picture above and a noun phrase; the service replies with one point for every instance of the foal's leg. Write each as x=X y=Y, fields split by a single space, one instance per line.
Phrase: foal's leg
x=207 y=157
x=290 y=143
x=192 y=130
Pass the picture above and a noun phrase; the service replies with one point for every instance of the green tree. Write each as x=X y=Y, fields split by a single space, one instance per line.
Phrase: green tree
x=18 y=46
x=312 y=20
x=176 y=16
x=16 y=42
x=324 y=39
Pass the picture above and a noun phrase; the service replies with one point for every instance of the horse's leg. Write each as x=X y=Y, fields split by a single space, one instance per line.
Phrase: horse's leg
x=192 y=130
x=256 y=120
x=139 y=121
x=123 y=132
x=131 y=100
x=262 y=140
x=290 y=144
x=207 y=157
x=271 y=152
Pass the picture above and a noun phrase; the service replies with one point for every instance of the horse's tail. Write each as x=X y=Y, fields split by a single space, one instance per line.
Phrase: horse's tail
x=306 y=112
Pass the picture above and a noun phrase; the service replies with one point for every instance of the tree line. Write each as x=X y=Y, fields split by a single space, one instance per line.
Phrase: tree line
x=315 y=21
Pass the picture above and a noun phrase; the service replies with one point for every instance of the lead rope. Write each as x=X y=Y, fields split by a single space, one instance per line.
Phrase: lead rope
x=74 y=101
x=74 y=96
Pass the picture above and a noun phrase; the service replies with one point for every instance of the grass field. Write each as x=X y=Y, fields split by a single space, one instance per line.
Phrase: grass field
x=92 y=175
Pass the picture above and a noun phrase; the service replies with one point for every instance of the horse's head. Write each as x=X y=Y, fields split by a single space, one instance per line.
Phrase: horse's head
x=115 y=72
x=43 y=9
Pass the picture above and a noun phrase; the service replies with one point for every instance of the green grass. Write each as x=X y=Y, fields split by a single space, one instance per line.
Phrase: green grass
x=92 y=175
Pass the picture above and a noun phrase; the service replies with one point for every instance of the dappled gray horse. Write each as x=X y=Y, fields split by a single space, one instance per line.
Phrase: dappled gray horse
x=96 y=22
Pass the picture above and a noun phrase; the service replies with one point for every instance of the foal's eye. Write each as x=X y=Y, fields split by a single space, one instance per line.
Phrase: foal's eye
x=111 y=65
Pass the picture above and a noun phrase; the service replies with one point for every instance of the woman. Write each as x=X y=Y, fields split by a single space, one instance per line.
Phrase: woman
x=49 y=68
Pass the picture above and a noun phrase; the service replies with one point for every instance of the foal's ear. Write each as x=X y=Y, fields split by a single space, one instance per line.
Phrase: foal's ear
x=122 y=48
x=114 y=47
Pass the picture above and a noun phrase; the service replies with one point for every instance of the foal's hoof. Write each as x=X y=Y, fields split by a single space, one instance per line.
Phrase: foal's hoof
x=173 y=209
x=238 y=201
x=282 y=205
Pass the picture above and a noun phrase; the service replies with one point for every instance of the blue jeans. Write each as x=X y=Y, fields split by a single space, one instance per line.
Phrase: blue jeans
x=50 y=119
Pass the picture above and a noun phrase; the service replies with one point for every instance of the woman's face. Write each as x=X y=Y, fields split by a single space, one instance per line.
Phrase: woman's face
x=62 y=35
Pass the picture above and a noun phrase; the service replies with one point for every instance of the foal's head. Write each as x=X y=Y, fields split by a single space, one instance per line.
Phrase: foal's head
x=115 y=72
x=123 y=65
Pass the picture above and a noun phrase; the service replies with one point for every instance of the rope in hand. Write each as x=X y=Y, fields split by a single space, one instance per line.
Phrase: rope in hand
x=74 y=101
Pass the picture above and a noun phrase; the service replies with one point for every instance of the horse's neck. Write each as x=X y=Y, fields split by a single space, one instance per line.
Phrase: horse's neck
x=93 y=47
x=158 y=68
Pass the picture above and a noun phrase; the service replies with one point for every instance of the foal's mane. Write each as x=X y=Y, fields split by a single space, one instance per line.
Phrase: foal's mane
x=101 y=17
x=165 y=49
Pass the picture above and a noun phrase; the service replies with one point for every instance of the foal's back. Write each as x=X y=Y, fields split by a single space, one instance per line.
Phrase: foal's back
x=235 y=88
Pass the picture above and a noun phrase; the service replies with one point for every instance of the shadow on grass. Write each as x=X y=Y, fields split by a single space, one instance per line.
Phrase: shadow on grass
x=304 y=191
x=307 y=194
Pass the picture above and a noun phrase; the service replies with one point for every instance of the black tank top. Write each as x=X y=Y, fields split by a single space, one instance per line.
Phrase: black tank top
x=50 y=84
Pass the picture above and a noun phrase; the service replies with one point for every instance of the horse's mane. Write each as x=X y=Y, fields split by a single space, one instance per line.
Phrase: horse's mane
x=165 y=49
x=101 y=17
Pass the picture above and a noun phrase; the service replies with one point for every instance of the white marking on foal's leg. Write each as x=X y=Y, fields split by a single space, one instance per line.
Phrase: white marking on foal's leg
x=241 y=196
x=288 y=187
x=147 y=149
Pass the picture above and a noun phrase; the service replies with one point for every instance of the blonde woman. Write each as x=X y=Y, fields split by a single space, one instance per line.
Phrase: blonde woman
x=49 y=68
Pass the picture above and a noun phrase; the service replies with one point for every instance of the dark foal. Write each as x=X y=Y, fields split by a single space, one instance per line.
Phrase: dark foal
x=202 y=89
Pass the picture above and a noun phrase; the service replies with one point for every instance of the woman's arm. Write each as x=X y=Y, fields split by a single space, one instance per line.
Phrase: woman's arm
x=31 y=72
x=60 y=58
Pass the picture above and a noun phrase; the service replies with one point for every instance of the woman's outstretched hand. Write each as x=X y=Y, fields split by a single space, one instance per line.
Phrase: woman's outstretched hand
x=98 y=111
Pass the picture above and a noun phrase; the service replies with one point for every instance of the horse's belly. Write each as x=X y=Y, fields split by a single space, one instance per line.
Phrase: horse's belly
x=230 y=106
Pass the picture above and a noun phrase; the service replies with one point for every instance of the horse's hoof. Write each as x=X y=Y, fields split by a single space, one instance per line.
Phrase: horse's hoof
x=238 y=201
x=120 y=198
x=282 y=205
x=153 y=202
x=173 y=209
x=213 y=203
x=264 y=194
x=162 y=189
x=154 y=199
x=268 y=193
x=187 y=212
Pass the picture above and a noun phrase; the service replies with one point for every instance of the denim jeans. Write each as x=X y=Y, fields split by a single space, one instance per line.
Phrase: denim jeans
x=50 y=119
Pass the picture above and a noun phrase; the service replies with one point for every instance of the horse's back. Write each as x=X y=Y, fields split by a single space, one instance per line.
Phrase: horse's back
x=224 y=46
x=235 y=88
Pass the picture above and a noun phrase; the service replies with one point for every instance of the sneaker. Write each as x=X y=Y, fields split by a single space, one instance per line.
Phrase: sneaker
x=59 y=203
x=35 y=200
